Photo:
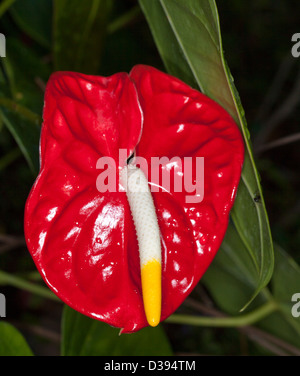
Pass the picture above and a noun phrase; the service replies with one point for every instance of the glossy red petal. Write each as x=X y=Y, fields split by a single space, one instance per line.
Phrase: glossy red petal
x=78 y=236
x=84 y=242
x=181 y=122
x=101 y=112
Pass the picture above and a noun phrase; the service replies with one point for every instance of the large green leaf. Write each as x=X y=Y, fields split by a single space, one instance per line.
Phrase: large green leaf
x=83 y=336
x=12 y=342
x=188 y=37
x=230 y=286
x=232 y=276
x=78 y=46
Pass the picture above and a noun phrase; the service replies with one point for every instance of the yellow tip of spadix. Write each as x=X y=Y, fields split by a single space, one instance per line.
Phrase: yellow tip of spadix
x=151 y=287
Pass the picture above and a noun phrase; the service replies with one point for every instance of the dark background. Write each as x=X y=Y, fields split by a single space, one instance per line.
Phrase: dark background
x=257 y=44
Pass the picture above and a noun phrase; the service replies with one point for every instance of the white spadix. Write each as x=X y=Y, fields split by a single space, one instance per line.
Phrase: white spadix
x=148 y=235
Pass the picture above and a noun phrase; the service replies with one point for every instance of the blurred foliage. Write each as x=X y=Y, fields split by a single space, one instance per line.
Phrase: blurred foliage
x=107 y=36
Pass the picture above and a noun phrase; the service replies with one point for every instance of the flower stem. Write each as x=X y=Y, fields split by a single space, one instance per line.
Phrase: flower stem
x=9 y=158
x=123 y=20
x=234 y=321
x=11 y=105
x=15 y=281
x=5 y=5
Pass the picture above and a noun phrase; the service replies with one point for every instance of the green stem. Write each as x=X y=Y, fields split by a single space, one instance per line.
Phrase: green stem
x=9 y=158
x=15 y=281
x=123 y=20
x=5 y=6
x=86 y=32
x=238 y=321
x=11 y=105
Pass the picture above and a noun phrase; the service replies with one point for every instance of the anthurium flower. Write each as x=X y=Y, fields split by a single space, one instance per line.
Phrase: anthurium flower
x=129 y=256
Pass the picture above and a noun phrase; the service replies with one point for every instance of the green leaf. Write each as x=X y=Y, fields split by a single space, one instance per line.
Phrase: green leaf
x=79 y=46
x=12 y=343
x=34 y=17
x=188 y=37
x=21 y=98
x=229 y=285
x=232 y=276
x=26 y=74
x=24 y=126
x=285 y=283
x=83 y=336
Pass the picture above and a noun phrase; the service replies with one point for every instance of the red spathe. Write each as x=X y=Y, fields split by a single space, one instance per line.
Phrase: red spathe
x=82 y=241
